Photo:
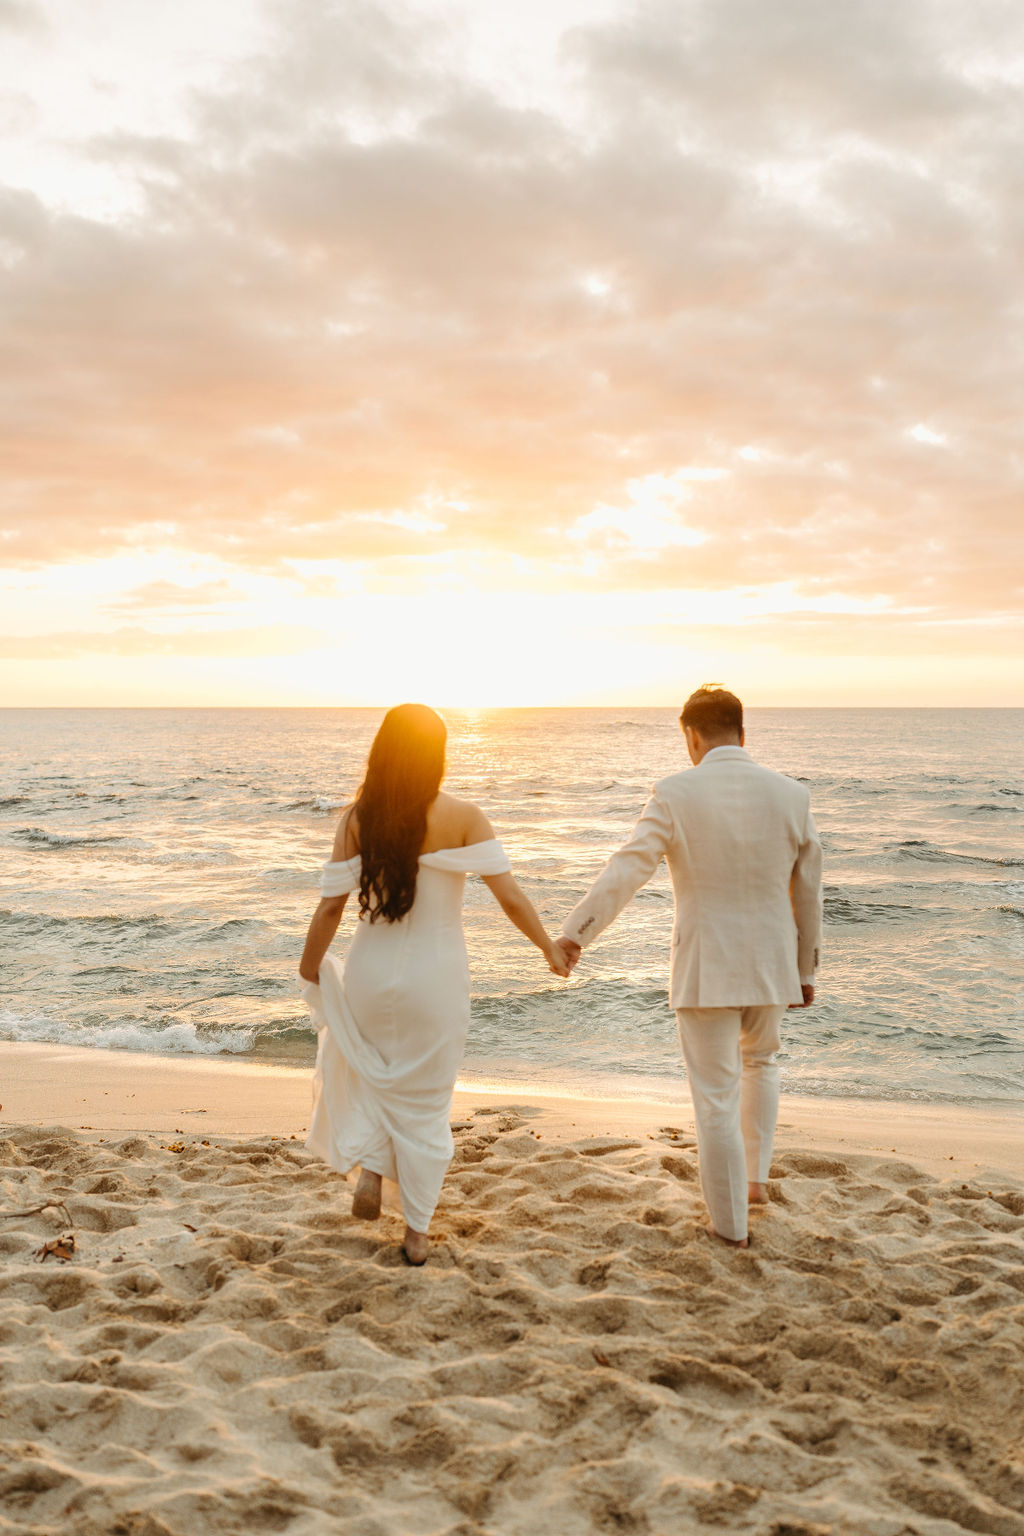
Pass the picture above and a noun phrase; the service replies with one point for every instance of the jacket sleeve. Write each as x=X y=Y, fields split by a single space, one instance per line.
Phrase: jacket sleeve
x=626 y=871
x=805 y=895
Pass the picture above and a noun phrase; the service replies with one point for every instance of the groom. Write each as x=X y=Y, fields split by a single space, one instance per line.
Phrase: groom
x=745 y=860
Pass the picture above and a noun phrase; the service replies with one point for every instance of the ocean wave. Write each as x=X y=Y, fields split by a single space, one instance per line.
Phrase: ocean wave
x=816 y=1085
x=294 y=874
x=541 y=864
x=108 y=970
x=320 y=803
x=586 y=1002
x=37 y=837
x=6 y=800
x=109 y=922
x=842 y=909
x=920 y=848
x=584 y=789
x=1011 y=911
x=232 y=928
x=195 y=856
x=172 y=1040
x=286 y=1041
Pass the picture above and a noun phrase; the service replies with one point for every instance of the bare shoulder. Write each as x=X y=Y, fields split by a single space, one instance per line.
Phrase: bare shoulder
x=346 y=836
x=463 y=822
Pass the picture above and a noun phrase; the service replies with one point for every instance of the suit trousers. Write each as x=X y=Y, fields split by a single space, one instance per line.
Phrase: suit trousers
x=730 y=1056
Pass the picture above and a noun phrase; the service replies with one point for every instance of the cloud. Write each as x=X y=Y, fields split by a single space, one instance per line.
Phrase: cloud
x=20 y=16
x=780 y=242
x=867 y=635
x=173 y=597
x=272 y=640
x=787 y=75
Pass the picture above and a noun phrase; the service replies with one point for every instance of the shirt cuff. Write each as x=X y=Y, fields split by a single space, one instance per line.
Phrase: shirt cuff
x=584 y=931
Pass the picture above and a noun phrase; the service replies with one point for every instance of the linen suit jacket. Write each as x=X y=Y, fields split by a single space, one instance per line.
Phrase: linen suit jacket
x=745 y=860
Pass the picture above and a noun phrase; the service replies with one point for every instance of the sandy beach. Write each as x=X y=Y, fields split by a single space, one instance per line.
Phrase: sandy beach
x=226 y=1350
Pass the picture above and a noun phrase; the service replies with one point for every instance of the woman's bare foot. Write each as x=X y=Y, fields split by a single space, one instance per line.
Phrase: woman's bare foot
x=366 y=1200
x=757 y=1194
x=415 y=1247
x=730 y=1242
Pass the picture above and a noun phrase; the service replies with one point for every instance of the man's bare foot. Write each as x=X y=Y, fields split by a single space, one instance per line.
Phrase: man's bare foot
x=757 y=1194
x=415 y=1247
x=366 y=1200
x=730 y=1242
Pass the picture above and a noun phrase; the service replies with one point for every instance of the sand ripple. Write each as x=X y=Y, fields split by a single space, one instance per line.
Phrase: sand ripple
x=229 y=1352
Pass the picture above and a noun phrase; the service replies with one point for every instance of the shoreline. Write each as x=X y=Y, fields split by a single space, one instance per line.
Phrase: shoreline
x=109 y=1091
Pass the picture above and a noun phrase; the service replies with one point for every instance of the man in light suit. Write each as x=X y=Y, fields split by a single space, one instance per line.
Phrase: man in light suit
x=745 y=860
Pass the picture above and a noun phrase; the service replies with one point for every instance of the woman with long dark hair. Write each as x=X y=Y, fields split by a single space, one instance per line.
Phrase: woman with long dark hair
x=392 y=1022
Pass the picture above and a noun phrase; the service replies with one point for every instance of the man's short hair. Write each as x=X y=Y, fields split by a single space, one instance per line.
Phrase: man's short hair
x=713 y=711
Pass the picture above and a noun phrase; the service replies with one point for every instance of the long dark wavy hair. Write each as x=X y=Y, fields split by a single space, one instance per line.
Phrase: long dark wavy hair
x=403 y=775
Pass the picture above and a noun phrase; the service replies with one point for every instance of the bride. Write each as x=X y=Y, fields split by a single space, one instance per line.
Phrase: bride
x=392 y=1021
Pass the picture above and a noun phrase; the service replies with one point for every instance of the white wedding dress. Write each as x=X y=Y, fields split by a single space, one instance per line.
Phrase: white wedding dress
x=392 y=1025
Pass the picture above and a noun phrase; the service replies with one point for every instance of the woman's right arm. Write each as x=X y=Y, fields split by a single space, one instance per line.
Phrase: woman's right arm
x=325 y=920
x=322 y=928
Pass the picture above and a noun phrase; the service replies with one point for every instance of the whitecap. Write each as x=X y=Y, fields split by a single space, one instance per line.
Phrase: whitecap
x=173 y=1040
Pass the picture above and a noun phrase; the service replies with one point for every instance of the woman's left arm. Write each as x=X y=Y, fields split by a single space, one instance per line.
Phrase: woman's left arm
x=520 y=910
x=322 y=929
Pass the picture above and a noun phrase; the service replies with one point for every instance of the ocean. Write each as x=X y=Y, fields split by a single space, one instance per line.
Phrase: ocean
x=158 y=869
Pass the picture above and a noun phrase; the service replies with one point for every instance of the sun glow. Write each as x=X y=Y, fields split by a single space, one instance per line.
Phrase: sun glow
x=153 y=628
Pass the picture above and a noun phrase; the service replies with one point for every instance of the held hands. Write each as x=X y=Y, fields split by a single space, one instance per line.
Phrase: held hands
x=570 y=952
x=557 y=962
x=562 y=956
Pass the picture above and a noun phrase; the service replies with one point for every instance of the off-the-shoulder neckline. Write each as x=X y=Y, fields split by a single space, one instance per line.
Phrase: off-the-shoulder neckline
x=463 y=848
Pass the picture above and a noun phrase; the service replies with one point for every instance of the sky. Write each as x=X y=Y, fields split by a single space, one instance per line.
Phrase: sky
x=507 y=354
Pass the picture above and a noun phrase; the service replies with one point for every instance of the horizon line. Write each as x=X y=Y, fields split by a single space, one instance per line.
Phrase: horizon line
x=508 y=708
